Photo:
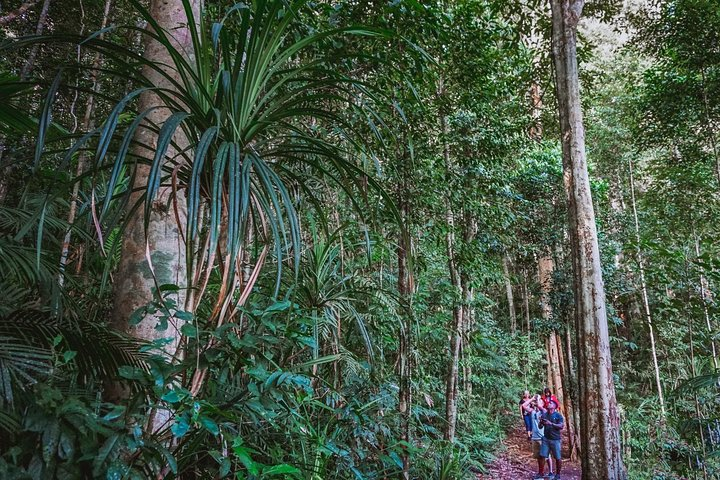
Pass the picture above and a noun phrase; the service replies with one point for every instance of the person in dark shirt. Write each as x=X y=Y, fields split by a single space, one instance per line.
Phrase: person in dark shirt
x=554 y=424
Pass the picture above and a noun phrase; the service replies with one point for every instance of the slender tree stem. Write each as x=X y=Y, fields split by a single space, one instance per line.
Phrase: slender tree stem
x=644 y=292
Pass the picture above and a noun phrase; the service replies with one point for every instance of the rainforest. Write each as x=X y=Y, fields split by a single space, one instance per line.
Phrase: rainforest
x=360 y=239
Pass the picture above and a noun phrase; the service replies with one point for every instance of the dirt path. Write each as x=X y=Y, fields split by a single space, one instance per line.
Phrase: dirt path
x=516 y=462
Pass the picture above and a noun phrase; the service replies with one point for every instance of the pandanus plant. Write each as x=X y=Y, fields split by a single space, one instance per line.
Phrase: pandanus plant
x=254 y=109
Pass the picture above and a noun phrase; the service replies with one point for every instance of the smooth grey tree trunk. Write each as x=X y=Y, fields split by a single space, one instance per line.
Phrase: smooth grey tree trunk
x=600 y=424
x=155 y=255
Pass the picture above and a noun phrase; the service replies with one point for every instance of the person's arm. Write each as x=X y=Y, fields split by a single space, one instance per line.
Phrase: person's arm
x=559 y=425
x=526 y=406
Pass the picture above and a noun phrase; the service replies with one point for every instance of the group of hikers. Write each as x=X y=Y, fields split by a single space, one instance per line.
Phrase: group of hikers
x=544 y=426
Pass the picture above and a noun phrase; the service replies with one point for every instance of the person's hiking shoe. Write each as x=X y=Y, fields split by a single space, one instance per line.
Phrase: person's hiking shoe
x=538 y=476
x=556 y=477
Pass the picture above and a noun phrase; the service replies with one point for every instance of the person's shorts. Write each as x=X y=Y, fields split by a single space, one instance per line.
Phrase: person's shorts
x=550 y=446
x=536 y=446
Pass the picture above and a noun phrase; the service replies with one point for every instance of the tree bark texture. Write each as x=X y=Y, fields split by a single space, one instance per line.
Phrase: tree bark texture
x=405 y=370
x=568 y=405
x=570 y=375
x=456 y=329
x=600 y=425
x=156 y=255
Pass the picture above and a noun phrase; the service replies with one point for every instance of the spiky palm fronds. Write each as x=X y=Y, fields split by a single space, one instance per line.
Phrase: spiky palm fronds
x=260 y=107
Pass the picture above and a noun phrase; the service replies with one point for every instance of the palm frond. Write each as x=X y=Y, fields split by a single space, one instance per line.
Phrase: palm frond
x=99 y=351
x=253 y=104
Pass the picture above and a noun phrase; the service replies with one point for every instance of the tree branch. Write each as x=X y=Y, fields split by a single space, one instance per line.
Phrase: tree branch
x=5 y=19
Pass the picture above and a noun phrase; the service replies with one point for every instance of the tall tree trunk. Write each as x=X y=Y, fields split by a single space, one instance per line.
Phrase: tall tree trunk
x=456 y=329
x=552 y=347
x=546 y=266
x=600 y=429
x=556 y=372
x=405 y=289
x=405 y=347
x=644 y=292
x=468 y=293
x=568 y=404
x=572 y=392
x=509 y=292
x=154 y=255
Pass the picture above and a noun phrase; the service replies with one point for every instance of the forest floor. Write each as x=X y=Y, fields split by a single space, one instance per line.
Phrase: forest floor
x=515 y=461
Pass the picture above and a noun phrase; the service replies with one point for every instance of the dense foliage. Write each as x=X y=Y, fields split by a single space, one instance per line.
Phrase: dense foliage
x=368 y=195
